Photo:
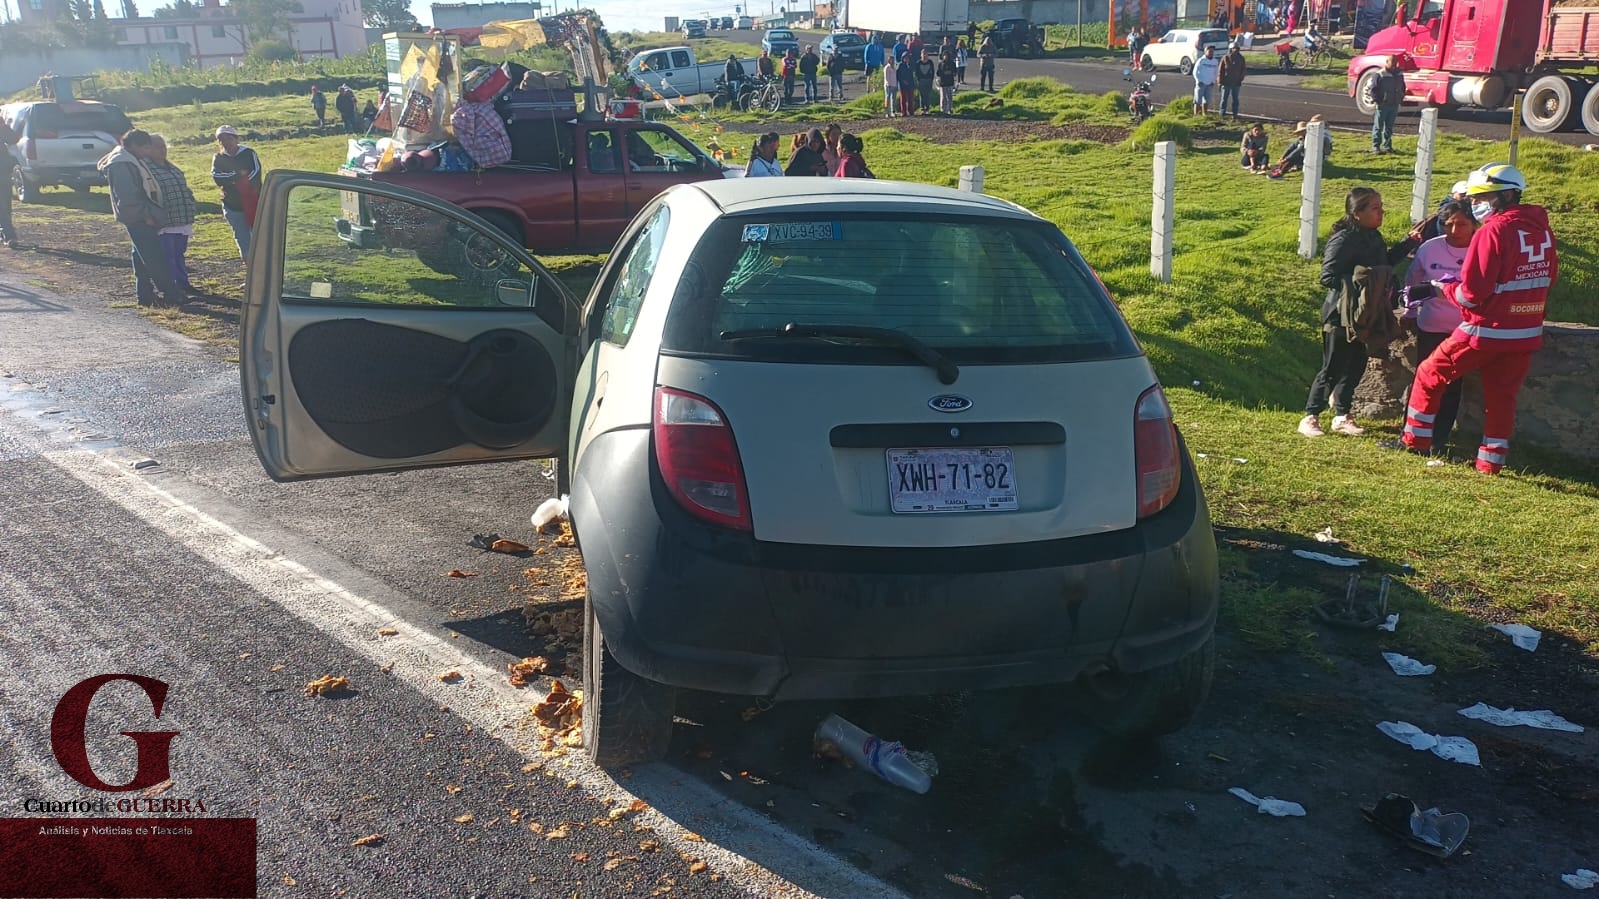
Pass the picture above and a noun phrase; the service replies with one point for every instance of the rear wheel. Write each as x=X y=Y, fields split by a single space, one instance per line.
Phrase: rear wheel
x=773 y=100
x=1152 y=703
x=1186 y=66
x=24 y=190
x=470 y=255
x=1146 y=63
x=1590 y=110
x=626 y=718
x=1549 y=104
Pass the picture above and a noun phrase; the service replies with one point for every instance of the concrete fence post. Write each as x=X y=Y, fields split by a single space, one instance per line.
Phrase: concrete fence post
x=1421 y=193
x=1163 y=216
x=972 y=178
x=1310 y=191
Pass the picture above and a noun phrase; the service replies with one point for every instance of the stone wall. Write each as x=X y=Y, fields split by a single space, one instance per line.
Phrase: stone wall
x=1559 y=407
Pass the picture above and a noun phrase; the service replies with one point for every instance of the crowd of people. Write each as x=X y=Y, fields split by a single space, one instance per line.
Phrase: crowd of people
x=915 y=76
x=829 y=153
x=1474 y=294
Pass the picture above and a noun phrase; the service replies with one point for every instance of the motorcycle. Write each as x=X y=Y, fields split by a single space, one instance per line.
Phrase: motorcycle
x=1138 y=101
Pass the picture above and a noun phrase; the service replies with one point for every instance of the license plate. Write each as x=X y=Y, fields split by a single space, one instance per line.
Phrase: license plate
x=976 y=479
x=350 y=205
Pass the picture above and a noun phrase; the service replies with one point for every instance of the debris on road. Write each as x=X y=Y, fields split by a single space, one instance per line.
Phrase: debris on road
x=1523 y=636
x=484 y=542
x=1581 y=879
x=142 y=464
x=966 y=882
x=550 y=512
x=450 y=677
x=456 y=572
x=528 y=667
x=560 y=719
x=1339 y=561
x=1431 y=831
x=387 y=632
x=369 y=840
x=326 y=684
x=1543 y=718
x=510 y=547
x=1277 y=808
x=889 y=761
x=1325 y=535
x=1454 y=749
x=1405 y=666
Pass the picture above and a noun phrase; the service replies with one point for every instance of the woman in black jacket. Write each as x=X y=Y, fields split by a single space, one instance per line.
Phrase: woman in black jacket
x=1355 y=241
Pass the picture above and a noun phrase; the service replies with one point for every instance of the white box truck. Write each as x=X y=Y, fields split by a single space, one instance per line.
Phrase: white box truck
x=930 y=18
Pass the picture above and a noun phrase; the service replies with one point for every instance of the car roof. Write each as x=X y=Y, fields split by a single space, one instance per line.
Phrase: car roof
x=745 y=196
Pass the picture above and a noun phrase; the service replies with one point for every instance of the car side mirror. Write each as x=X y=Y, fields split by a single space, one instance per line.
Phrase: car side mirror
x=515 y=292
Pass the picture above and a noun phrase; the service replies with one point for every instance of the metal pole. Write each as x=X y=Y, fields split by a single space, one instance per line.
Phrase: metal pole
x=1162 y=215
x=1079 y=23
x=1515 y=124
x=1421 y=192
x=1310 y=191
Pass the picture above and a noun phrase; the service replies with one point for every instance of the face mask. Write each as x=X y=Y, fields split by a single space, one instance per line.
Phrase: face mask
x=1481 y=210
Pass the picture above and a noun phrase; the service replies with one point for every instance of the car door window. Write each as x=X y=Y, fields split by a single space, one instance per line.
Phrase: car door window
x=351 y=247
x=680 y=59
x=626 y=295
x=602 y=153
x=660 y=151
x=655 y=61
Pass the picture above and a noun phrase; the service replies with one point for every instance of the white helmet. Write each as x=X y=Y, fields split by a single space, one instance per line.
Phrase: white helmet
x=1495 y=177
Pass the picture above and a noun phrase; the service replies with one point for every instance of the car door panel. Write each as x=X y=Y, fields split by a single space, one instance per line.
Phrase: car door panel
x=389 y=356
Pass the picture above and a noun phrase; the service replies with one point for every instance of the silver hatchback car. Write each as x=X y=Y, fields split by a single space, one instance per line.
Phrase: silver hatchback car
x=822 y=438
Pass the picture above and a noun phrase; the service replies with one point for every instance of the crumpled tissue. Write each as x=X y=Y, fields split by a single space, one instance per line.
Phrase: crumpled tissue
x=1389 y=623
x=1453 y=749
x=1339 y=561
x=1543 y=718
x=1405 y=666
x=1583 y=879
x=1277 y=808
x=1523 y=636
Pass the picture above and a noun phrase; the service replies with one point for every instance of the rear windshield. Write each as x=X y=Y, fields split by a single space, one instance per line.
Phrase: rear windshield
x=781 y=35
x=52 y=117
x=980 y=290
x=846 y=40
x=1213 y=37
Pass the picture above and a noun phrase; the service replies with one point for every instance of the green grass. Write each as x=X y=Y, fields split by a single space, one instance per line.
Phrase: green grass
x=1240 y=318
x=706 y=50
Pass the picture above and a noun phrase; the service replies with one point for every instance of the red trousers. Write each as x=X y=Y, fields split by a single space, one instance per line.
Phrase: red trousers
x=907 y=101
x=1502 y=374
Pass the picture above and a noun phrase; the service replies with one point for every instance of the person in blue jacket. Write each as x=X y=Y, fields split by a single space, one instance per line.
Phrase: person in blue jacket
x=873 y=55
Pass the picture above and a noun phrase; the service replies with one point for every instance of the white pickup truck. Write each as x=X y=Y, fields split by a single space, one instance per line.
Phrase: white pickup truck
x=675 y=72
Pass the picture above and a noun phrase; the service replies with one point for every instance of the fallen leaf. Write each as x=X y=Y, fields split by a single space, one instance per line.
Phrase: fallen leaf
x=693 y=837
x=503 y=545
x=369 y=840
x=561 y=709
x=289 y=881
x=450 y=677
x=530 y=767
x=558 y=833
x=649 y=845
x=612 y=864
x=456 y=572
x=464 y=819
x=697 y=867
x=637 y=805
x=326 y=684
x=277 y=667
x=159 y=788
x=387 y=632
x=580 y=856
x=452 y=789
x=965 y=882
x=536 y=827
x=515 y=813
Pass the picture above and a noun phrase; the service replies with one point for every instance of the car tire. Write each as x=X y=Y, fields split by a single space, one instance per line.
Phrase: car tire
x=1147 y=64
x=627 y=719
x=1365 y=92
x=470 y=258
x=1549 y=105
x=1152 y=703
x=1590 y=111
x=1186 y=67
x=24 y=190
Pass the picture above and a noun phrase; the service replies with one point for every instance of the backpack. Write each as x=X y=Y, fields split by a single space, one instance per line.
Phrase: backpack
x=481 y=133
x=1371 y=318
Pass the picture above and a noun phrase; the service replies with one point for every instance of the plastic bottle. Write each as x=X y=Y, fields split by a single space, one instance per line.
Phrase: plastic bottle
x=886 y=760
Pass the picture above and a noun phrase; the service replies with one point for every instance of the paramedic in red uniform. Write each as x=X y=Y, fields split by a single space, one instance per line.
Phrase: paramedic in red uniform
x=1503 y=286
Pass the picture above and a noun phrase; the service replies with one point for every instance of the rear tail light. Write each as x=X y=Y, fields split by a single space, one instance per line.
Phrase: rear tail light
x=1155 y=450
x=698 y=458
x=30 y=149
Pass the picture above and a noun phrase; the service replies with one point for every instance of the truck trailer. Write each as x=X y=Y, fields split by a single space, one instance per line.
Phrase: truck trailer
x=1456 y=53
x=929 y=18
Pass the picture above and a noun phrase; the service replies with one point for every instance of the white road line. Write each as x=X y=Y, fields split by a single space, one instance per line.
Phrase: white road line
x=733 y=833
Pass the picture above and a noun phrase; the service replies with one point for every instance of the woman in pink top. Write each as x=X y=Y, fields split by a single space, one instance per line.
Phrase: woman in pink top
x=1440 y=259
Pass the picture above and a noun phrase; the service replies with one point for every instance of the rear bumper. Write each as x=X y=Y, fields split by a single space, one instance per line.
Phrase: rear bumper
x=72 y=176
x=703 y=608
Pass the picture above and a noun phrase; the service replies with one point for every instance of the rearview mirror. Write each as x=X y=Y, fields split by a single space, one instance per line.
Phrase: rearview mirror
x=514 y=292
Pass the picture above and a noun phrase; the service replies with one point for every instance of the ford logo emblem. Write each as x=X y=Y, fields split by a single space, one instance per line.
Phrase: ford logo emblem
x=949 y=402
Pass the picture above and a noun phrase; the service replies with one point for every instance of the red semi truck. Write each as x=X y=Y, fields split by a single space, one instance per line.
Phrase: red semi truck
x=1480 y=52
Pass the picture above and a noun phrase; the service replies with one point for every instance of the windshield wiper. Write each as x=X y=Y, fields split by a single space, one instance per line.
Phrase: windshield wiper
x=938 y=362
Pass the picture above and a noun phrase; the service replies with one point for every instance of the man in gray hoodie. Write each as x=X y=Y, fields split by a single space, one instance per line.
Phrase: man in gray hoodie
x=136 y=203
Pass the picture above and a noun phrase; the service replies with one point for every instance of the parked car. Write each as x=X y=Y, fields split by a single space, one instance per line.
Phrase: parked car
x=1178 y=48
x=693 y=28
x=1013 y=37
x=745 y=23
x=778 y=41
x=850 y=45
x=822 y=438
x=726 y=23
x=679 y=72
x=60 y=142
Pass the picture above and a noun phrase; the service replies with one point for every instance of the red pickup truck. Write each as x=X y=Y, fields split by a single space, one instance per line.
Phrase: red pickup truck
x=598 y=176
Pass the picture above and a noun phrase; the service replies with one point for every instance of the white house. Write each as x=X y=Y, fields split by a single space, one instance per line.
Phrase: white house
x=325 y=28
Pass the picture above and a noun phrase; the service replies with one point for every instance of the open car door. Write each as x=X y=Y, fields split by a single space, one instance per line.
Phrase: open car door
x=383 y=328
